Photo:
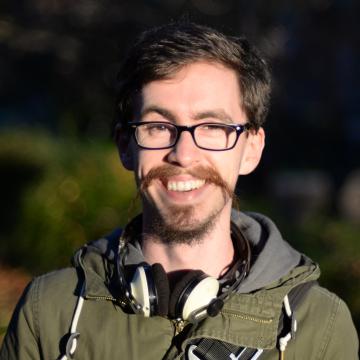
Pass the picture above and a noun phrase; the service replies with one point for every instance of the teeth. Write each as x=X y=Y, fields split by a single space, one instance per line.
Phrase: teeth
x=185 y=185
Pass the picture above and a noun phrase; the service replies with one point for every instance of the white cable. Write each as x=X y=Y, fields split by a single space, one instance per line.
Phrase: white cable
x=73 y=334
x=76 y=317
x=283 y=342
x=287 y=306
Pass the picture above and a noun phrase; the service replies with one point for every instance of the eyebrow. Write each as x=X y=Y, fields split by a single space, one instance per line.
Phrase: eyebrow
x=159 y=110
x=216 y=114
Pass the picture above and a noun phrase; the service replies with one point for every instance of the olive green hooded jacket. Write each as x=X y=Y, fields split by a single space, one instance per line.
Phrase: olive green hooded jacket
x=41 y=322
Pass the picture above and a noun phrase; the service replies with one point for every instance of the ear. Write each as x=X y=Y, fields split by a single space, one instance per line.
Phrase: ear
x=123 y=142
x=253 y=149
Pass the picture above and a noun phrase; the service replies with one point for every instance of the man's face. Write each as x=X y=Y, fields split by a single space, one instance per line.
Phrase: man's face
x=179 y=198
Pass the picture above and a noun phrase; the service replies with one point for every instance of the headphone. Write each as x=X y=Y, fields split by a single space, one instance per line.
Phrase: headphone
x=195 y=296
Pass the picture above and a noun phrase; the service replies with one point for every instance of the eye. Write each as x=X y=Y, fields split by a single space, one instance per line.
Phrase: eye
x=156 y=128
x=214 y=129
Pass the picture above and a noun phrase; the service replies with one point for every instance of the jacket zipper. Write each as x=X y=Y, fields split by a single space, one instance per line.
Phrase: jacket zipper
x=92 y=297
x=248 y=317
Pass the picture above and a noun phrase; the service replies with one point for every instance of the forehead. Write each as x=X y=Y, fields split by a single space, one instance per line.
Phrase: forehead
x=197 y=87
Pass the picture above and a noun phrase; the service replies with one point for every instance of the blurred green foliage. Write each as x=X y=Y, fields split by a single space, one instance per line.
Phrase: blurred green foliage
x=56 y=195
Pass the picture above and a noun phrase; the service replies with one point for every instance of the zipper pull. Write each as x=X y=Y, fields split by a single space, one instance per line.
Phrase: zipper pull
x=179 y=326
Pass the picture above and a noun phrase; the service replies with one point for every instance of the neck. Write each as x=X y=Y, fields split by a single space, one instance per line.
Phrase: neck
x=213 y=254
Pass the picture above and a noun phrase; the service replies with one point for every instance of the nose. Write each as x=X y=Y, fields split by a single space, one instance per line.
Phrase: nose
x=185 y=152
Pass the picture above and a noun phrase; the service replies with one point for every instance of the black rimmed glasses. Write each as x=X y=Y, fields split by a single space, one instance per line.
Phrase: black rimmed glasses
x=159 y=135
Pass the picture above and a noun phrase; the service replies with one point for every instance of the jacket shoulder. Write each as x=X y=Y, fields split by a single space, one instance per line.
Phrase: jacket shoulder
x=50 y=296
x=59 y=282
x=325 y=326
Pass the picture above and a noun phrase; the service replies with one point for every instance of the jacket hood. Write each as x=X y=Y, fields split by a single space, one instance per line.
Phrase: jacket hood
x=272 y=257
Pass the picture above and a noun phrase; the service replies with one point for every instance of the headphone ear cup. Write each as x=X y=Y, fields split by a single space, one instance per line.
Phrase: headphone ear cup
x=162 y=289
x=150 y=288
x=140 y=290
x=179 y=289
x=192 y=292
x=202 y=295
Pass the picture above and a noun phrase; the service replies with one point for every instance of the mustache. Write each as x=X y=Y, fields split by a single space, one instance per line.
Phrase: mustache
x=209 y=174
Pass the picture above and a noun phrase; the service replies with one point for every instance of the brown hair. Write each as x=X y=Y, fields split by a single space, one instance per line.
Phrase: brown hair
x=162 y=51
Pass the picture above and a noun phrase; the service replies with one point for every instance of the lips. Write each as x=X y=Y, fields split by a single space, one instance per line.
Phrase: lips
x=178 y=182
x=182 y=186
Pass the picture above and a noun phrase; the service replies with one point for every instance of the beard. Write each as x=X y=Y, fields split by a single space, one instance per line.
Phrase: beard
x=181 y=229
x=179 y=225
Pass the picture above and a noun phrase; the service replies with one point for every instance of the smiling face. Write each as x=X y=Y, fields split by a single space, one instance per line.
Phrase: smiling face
x=185 y=189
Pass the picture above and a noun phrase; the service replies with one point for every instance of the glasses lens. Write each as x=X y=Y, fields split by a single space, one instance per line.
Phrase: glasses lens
x=155 y=135
x=215 y=136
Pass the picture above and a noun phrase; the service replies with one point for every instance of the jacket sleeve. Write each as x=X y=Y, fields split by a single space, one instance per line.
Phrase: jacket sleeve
x=340 y=340
x=20 y=341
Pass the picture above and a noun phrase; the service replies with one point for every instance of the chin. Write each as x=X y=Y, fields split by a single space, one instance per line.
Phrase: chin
x=181 y=226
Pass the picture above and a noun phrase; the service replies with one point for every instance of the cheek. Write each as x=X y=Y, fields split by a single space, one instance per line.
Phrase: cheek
x=228 y=167
x=232 y=179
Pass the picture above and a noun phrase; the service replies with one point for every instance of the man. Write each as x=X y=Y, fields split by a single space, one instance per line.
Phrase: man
x=190 y=278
